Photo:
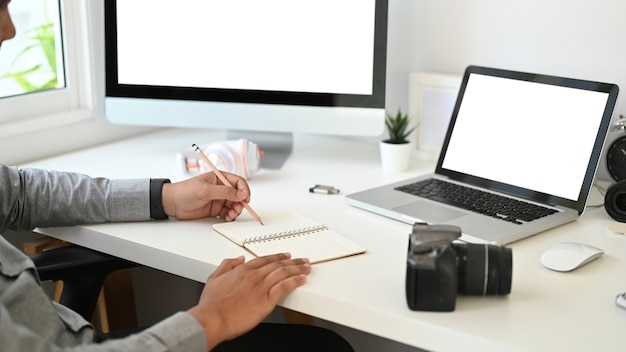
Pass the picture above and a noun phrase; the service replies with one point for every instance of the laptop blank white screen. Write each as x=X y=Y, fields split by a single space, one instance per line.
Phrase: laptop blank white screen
x=531 y=135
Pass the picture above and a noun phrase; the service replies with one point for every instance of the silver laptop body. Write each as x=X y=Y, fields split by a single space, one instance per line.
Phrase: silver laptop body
x=530 y=137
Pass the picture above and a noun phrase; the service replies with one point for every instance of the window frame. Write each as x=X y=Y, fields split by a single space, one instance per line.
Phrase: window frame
x=37 y=111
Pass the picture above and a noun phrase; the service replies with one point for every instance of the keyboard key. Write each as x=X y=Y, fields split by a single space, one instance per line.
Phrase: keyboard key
x=497 y=206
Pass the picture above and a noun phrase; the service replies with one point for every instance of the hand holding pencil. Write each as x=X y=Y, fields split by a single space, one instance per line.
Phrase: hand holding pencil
x=224 y=180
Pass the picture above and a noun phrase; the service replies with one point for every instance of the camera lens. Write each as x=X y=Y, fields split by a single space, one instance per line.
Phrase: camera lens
x=483 y=269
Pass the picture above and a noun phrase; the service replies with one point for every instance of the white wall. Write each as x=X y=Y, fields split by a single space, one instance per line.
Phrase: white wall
x=575 y=38
x=399 y=40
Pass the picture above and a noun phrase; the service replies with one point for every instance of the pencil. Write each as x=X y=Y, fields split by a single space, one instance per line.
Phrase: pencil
x=224 y=180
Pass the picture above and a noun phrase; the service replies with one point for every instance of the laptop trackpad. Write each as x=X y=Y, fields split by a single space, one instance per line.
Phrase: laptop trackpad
x=429 y=212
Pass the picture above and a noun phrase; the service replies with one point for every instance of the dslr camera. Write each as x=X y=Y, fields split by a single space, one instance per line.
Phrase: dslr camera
x=437 y=269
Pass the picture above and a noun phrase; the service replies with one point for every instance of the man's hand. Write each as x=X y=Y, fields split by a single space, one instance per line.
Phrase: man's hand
x=238 y=295
x=205 y=196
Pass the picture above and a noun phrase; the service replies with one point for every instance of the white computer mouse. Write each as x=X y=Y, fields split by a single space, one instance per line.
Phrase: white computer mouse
x=568 y=256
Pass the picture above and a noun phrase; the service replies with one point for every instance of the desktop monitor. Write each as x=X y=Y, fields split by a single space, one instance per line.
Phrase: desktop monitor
x=273 y=67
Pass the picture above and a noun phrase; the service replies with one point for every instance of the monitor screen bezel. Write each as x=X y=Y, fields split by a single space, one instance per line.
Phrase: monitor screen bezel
x=375 y=100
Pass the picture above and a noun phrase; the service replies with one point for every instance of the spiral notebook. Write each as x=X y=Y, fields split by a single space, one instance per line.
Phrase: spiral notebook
x=289 y=232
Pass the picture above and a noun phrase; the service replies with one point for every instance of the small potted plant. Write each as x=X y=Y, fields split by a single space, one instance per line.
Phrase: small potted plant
x=397 y=127
x=395 y=151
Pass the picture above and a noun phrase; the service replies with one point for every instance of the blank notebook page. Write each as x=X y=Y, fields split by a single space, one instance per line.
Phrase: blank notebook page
x=289 y=232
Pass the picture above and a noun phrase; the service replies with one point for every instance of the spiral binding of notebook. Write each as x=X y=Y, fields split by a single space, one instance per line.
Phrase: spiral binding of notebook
x=289 y=233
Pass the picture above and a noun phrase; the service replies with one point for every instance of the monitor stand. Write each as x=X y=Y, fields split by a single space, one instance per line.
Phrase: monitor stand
x=276 y=146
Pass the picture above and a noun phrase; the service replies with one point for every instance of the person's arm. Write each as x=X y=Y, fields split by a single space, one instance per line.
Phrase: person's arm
x=33 y=197
x=180 y=332
x=38 y=198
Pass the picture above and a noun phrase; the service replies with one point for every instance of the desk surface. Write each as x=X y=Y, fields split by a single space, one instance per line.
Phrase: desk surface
x=545 y=311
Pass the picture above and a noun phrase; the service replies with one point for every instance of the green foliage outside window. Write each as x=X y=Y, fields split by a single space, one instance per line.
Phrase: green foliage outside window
x=39 y=38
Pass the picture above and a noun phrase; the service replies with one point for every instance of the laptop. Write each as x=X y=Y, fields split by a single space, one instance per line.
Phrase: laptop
x=531 y=141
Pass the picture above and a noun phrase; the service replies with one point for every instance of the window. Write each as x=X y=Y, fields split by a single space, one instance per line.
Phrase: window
x=44 y=76
x=33 y=61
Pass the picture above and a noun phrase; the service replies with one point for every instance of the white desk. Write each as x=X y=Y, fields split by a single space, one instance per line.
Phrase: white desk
x=545 y=310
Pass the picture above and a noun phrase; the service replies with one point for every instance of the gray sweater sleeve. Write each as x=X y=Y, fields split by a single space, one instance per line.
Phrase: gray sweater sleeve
x=37 y=198
x=180 y=332
x=32 y=198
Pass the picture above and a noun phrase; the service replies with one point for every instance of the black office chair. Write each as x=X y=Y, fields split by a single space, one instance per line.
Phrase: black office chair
x=82 y=271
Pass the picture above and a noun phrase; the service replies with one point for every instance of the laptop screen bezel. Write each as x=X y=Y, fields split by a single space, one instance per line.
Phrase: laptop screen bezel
x=532 y=195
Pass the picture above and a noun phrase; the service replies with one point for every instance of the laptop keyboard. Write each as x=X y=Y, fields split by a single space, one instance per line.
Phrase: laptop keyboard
x=468 y=198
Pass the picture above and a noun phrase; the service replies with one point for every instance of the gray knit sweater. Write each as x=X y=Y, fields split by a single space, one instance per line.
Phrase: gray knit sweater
x=29 y=321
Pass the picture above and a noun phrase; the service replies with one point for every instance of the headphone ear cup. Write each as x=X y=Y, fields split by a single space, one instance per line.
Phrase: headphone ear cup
x=615 y=201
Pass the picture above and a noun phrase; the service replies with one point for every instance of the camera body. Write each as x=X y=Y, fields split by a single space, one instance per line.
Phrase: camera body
x=438 y=269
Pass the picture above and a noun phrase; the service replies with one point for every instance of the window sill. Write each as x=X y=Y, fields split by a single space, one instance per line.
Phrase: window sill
x=36 y=124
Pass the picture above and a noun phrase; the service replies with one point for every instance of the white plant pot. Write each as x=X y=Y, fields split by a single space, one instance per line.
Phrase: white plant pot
x=395 y=157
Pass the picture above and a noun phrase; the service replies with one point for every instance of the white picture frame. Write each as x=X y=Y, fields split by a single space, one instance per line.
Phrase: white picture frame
x=431 y=100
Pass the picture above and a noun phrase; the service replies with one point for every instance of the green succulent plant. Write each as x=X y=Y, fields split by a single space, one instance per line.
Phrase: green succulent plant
x=398 y=128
